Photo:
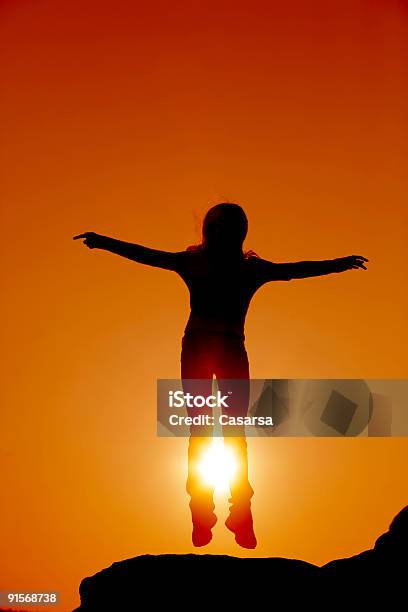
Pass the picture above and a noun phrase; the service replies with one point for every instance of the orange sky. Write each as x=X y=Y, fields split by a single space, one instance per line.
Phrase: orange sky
x=130 y=119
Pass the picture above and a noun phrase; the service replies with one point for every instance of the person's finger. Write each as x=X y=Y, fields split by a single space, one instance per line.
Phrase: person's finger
x=84 y=235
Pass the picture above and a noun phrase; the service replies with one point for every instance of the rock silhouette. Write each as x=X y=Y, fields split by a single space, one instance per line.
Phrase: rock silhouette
x=216 y=580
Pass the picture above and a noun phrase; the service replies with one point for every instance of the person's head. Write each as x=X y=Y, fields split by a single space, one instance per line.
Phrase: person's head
x=224 y=229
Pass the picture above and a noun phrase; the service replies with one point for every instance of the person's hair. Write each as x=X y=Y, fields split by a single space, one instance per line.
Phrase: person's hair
x=225 y=225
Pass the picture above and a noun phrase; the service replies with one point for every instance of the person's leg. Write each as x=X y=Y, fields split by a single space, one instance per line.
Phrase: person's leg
x=196 y=374
x=233 y=374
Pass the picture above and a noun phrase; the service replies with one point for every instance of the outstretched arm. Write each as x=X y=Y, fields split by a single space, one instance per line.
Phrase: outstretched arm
x=135 y=252
x=269 y=271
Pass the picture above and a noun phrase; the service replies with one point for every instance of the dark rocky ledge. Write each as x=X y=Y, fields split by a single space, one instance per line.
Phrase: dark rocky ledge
x=188 y=581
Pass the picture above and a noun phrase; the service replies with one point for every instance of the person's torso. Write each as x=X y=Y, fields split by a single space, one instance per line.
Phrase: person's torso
x=220 y=293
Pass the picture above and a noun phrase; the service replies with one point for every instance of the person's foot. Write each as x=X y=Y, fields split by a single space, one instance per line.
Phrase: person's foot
x=201 y=536
x=241 y=524
x=202 y=525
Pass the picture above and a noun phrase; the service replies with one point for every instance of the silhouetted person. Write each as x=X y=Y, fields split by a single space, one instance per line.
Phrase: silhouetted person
x=221 y=279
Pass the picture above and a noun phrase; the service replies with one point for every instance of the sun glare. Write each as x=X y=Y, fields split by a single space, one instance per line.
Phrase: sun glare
x=218 y=466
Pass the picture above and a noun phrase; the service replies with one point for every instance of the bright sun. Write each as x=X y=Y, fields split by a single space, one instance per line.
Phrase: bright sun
x=218 y=465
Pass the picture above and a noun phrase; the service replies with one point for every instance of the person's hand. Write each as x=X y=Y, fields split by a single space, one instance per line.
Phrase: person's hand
x=352 y=262
x=91 y=240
